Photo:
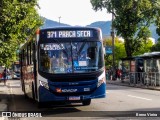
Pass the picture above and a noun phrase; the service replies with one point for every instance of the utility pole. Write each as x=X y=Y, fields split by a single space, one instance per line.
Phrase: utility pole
x=113 y=42
x=59 y=19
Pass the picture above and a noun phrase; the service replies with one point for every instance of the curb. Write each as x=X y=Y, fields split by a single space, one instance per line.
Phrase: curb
x=3 y=104
x=4 y=98
x=128 y=85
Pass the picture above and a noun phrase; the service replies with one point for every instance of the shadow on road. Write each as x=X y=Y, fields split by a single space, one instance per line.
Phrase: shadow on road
x=21 y=104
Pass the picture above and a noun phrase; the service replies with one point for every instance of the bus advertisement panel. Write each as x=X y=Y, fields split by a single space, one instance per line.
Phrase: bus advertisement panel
x=64 y=64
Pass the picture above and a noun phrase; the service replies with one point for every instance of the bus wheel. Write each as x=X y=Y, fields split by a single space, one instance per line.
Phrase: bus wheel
x=33 y=95
x=41 y=105
x=25 y=95
x=86 y=102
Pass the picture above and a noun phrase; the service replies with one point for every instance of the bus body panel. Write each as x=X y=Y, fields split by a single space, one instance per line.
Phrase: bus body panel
x=48 y=89
x=62 y=91
x=48 y=96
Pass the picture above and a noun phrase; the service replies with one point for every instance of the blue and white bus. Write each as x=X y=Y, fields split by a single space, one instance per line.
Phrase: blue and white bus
x=64 y=64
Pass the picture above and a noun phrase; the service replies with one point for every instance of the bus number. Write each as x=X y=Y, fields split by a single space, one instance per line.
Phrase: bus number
x=51 y=34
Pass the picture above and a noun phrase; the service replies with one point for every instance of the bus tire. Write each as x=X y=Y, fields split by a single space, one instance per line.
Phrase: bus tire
x=86 y=102
x=25 y=95
x=40 y=105
x=33 y=95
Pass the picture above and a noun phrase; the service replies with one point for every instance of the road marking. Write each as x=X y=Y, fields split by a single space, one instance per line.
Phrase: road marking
x=139 y=97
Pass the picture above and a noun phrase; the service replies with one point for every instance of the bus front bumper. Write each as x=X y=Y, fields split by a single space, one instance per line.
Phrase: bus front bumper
x=47 y=96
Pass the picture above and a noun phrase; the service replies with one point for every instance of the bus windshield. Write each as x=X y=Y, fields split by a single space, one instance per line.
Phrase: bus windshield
x=70 y=57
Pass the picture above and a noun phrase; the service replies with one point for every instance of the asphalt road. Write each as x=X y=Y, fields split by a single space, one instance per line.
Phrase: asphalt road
x=121 y=101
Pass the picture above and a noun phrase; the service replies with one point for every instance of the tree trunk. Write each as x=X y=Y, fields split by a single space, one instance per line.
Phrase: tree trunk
x=128 y=48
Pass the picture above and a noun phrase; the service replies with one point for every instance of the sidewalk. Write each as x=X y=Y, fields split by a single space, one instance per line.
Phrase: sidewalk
x=4 y=97
x=127 y=83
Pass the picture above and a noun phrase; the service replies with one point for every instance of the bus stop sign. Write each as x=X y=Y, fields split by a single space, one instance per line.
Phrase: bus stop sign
x=108 y=49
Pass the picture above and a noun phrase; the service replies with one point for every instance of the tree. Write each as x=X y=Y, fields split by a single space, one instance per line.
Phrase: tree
x=119 y=51
x=144 y=48
x=132 y=19
x=108 y=57
x=157 y=21
x=156 y=47
x=18 y=21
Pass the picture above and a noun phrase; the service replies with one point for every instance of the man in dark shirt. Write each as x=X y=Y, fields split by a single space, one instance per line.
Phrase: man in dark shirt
x=5 y=76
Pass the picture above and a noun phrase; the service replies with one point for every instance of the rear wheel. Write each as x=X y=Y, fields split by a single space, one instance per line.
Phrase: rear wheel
x=86 y=102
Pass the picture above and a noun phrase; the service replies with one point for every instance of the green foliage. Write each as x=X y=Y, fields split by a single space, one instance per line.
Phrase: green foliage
x=156 y=47
x=132 y=19
x=119 y=51
x=18 y=21
x=157 y=21
x=144 y=48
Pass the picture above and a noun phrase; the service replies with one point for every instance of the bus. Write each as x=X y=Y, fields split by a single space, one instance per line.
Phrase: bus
x=64 y=64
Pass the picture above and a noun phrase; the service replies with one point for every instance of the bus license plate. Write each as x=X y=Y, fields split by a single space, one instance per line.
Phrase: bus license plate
x=74 y=98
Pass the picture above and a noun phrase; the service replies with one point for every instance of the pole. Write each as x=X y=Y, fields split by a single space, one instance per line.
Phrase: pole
x=59 y=19
x=113 y=54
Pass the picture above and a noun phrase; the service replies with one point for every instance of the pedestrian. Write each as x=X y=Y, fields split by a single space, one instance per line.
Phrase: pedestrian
x=5 y=76
x=118 y=74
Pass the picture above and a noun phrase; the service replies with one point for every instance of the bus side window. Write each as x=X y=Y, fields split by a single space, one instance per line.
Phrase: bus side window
x=33 y=50
x=91 y=52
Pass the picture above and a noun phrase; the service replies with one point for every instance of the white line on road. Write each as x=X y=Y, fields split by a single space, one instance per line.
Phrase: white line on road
x=139 y=97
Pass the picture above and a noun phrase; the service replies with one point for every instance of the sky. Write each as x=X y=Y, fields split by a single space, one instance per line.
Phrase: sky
x=72 y=12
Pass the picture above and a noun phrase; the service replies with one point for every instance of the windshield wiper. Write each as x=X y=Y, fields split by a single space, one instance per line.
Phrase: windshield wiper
x=81 y=48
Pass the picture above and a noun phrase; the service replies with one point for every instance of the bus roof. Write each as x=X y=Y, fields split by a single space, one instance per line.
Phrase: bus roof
x=70 y=28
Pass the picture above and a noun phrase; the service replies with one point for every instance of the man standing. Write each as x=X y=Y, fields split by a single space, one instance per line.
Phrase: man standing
x=5 y=76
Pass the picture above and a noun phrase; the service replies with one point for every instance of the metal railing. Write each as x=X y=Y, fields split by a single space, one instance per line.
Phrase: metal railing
x=144 y=78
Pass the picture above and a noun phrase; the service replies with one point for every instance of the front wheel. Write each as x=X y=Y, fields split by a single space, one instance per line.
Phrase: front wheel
x=33 y=94
x=40 y=105
x=86 y=102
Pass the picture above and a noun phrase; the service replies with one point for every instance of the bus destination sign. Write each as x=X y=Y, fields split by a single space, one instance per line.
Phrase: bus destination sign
x=69 y=34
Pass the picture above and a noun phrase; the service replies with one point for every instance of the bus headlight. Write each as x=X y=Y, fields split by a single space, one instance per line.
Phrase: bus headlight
x=44 y=84
x=102 y=80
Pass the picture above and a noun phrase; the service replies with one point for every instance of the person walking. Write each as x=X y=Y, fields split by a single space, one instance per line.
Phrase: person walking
x=119 y=73
x=5 y=76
